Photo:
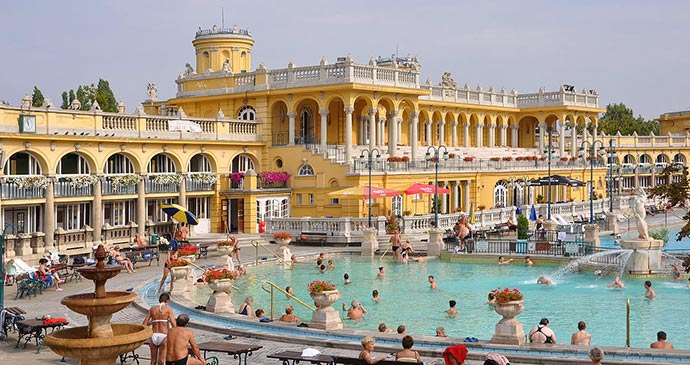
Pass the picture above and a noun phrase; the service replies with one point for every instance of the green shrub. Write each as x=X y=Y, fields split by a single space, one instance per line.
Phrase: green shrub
x=522 y=227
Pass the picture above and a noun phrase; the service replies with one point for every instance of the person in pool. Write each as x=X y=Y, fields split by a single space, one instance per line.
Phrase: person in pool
x=649 y=293
x=356 y=310
x=617 y=283
x=503 y=261
x=432 y=281
x=375 y=295
x=346 y=278
x=545 y=281
x=381 y=273
x=451 y=311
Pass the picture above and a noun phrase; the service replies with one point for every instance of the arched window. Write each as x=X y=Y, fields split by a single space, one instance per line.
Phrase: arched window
x=679 y=158
x=645 y=159
x=246 y=113
x=629 y=159
x=118 y=164
x=200 y=163
x=161 y=164
x=500 y=195
x=306 y=170
x=73 y=164
x=242 y=163
x=22 y=163
x=662 y=159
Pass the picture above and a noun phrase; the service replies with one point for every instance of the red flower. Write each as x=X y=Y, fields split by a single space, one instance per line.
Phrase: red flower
x=218 y=274
x=507 y=295
x=317 y=286
x=187 y=250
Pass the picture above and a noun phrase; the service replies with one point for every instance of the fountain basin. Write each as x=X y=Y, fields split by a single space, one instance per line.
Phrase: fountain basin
x=74 y=343
x=104 y=273
x=87 y=304
x=641 y=244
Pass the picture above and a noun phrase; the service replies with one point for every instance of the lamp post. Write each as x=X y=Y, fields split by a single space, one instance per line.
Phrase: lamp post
x=368 y=156
x=435 y=158
x=611 y=158
x=592 y=158
x=548 y=193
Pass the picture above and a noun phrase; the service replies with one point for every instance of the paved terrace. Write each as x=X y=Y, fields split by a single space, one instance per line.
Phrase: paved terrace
x=48 y=304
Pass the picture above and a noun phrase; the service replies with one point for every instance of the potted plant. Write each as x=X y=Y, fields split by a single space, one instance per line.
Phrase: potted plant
x=507 y=158
x=508 y=303
x=565 y=159
x=179 y=268
x=391 y=224
x=188 y=252
x=451 y=155
x=468 y=159
x=324 y=293
x=540 y=199
x=225 y=246
x=282 y=238
x=220 y=281
x=495 y=159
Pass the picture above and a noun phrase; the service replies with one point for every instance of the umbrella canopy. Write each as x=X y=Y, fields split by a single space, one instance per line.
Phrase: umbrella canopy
x=556 y=180
x=533 y=213
x=473 y=219
x=179 y=214
x=418 y=188
x=363 y=192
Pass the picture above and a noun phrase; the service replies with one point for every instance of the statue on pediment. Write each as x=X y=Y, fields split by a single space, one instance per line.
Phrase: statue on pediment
x=447 y=81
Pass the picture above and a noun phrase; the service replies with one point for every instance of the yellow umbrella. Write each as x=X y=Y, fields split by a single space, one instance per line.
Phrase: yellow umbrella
x=473 y=220
x=179 y=213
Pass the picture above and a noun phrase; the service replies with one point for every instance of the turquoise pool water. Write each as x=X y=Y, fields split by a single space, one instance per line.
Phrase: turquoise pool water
x=407 y=299
x=673 y=246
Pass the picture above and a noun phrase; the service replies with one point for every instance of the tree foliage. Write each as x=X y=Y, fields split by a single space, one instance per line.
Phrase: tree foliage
x=37 y=98
x=88 y=94
x=619 y=118
x=677 y=193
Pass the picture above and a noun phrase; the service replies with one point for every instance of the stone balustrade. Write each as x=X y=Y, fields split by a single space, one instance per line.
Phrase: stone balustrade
x=117 y=235
x=77 y=241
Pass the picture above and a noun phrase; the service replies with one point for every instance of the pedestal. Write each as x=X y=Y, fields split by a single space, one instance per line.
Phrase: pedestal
x=435 y=244
x=370 y=242
x=286 y=253
x=326 y=317
x=646 y=255
x=23 y=246
x=592 y=235
x=220 y=301
x=509 y=330
x=612 y=222
x=37 y=242
x=180 y=285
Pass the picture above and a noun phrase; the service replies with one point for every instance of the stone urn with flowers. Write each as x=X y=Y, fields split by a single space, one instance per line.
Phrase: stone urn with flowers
x=283 y=239
x=324 y=295
x=225 y=247
x=508 y=304
x=220 y=281
x=181 y=276
x=188 y=252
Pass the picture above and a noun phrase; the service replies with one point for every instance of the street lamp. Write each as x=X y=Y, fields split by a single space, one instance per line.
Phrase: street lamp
x=611 y=158
x=435 y=159
x=592 y=159
x=548 y=193
x=369 y=158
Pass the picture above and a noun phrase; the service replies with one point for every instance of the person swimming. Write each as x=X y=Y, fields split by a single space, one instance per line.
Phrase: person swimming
x=617 y=283
x=545 y=281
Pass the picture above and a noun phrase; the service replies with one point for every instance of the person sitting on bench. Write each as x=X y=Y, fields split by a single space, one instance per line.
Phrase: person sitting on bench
x=511 y=224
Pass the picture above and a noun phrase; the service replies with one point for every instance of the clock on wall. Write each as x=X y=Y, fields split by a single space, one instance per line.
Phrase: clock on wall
x=27 y=124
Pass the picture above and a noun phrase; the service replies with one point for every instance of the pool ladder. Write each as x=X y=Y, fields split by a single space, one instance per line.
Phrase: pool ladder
x=256 y=245
x=274 y=287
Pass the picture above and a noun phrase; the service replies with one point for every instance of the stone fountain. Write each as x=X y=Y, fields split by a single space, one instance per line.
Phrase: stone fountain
x=646 y=251
x=100 y=342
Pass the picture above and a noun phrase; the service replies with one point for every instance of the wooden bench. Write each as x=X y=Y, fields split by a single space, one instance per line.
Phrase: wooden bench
x=142 y=254
x=295 y=357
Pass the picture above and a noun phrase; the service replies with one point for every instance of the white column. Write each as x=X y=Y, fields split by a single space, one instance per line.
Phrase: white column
x=380 y=131
x=466 y=195
x=561 y=138
x=362 y=131
x=413 y=135
x=442 y=132
x=398 y=135
x=454 y=137
x=479 y=135
x=96 y=209
x=504 y=135
x=291 y=128
x=324 y=130
x=492 y=135
x=372 y=129
x=348 y=133
x=392 y=132
x=542 y=133
x=141 y=205
x=182 y=198
x=49 y=215
x=466 y=134
x=573 y=135
x=514 y=135
x=429 y=138
x=596 y=131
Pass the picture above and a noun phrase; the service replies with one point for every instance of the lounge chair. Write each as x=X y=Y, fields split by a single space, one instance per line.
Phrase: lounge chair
x=23 y=267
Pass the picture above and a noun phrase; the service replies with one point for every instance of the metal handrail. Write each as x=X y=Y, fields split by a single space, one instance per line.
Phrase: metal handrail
x=274 y=286
x=256 y=245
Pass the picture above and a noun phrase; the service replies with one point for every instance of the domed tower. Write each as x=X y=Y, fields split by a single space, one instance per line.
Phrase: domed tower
x=218 y=49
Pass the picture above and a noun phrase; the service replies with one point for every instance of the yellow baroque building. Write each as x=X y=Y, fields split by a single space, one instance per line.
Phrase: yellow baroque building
x=240 y=145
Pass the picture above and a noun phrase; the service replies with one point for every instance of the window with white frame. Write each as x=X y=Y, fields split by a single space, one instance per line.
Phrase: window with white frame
x=500 y=195
x=274 y=207
x=200 y=206
x=246 y=113
x=242 y=163
x=199 y=163
x=119 y=213
x=22 y=163
x=397 y=205
x=306 y=170
x=161 y=164
x=72 y=216
x=118 y=164
x=298 y=196
x=73 y=164
x=153 y=211
x=311 y=199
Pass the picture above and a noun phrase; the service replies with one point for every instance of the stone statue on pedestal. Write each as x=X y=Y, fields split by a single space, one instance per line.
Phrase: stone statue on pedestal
x=639 y=211
x=152 y=91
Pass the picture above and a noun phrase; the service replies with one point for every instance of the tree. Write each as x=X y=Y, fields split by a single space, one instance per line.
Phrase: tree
x=37 y=98
x=105 y=97
x=619 y=118
x=83 y=98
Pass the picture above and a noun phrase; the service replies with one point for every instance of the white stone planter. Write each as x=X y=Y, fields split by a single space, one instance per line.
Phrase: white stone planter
x=224 y=250
x=509 y=330
x=283 y=242
x=190 y=258
x=326 y=317
x=181 y=277
x=220 y=301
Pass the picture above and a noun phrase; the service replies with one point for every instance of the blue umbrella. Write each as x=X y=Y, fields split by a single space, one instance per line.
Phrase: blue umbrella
x=179 y=213
x=533 y=213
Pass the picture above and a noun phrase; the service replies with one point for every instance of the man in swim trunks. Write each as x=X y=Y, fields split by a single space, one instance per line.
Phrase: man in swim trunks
x=395 y=244
x=235 y=244
x=542 y=333
x=159 y=317
x=179 y=339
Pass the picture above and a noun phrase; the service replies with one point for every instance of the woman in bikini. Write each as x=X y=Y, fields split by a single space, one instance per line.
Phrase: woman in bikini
x=160 y=318
x=172 y=255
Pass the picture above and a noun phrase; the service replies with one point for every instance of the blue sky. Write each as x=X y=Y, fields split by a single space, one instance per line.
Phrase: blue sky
x=636 y=52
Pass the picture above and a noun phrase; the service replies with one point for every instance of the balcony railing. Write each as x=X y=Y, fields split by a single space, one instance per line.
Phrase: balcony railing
x=10 y=191
x=272 y=185
x=108 y=188
x=154 y=187
x=456 y=164
x=193 y=185
x=65 y=189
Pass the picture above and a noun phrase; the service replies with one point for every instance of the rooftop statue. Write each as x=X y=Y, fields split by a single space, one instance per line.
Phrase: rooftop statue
x=152 y=91
x=188 y=70
x=447 y=81
x=227 y=66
